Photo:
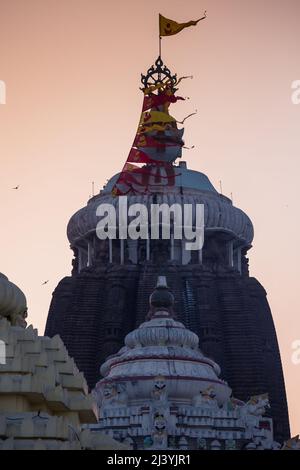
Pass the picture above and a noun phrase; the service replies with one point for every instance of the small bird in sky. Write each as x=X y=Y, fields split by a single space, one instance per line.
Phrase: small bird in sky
x=17 y=187
x=44 y=283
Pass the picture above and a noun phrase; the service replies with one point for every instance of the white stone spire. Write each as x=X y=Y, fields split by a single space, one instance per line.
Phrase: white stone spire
x=160 y=390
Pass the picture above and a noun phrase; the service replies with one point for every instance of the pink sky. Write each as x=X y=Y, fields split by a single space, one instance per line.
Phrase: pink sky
x=72 y=71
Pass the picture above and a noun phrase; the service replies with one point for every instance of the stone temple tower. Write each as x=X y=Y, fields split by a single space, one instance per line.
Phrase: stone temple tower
x=104 y=298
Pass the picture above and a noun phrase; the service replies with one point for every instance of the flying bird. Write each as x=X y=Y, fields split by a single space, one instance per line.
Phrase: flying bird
x=46 y=282
x=17 y=187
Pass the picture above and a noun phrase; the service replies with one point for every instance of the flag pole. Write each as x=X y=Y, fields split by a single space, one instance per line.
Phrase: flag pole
x=159 y=36
x=159 y=47
x=159 y=55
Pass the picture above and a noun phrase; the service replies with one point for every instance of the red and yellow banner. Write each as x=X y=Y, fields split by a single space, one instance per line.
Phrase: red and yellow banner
x=138 y=156
x=149 y=117
x=165 y=98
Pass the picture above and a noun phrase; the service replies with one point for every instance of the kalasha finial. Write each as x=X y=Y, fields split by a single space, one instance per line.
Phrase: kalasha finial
x=158 y=74
x=161 y=300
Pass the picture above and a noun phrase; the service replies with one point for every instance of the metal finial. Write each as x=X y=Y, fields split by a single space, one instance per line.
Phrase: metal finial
x=158 y=73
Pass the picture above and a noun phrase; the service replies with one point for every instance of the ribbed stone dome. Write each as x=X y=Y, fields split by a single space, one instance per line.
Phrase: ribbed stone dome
x=162 y=332
x=12 y=299
x=163 y=347
x=191 y=187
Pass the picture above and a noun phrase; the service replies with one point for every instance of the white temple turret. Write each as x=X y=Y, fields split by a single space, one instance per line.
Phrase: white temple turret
x=161 y=392
x=44 y=400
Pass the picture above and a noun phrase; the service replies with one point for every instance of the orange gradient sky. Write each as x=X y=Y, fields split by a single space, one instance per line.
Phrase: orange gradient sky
x=72 y=70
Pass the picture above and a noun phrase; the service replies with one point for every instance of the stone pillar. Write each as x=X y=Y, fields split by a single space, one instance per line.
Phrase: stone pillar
x=178 y=251
x=79 y=260
x=148 y=248
x=84 y=259
x=239 y=259
x=90 y=254
x=121 y=251
x=110 y=247
x=132 y=250
x=172 y=253
x=230 y=254
x=201 y=257
x=186 y=255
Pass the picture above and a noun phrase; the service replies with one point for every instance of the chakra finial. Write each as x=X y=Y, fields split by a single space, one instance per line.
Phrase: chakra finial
x=157 y=74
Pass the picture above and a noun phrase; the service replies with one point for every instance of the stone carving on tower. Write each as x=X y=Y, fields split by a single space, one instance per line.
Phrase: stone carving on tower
x=206 y=398
x=159 y=392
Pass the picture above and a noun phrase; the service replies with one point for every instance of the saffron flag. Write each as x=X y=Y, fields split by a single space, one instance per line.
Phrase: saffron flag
x=169 y=27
